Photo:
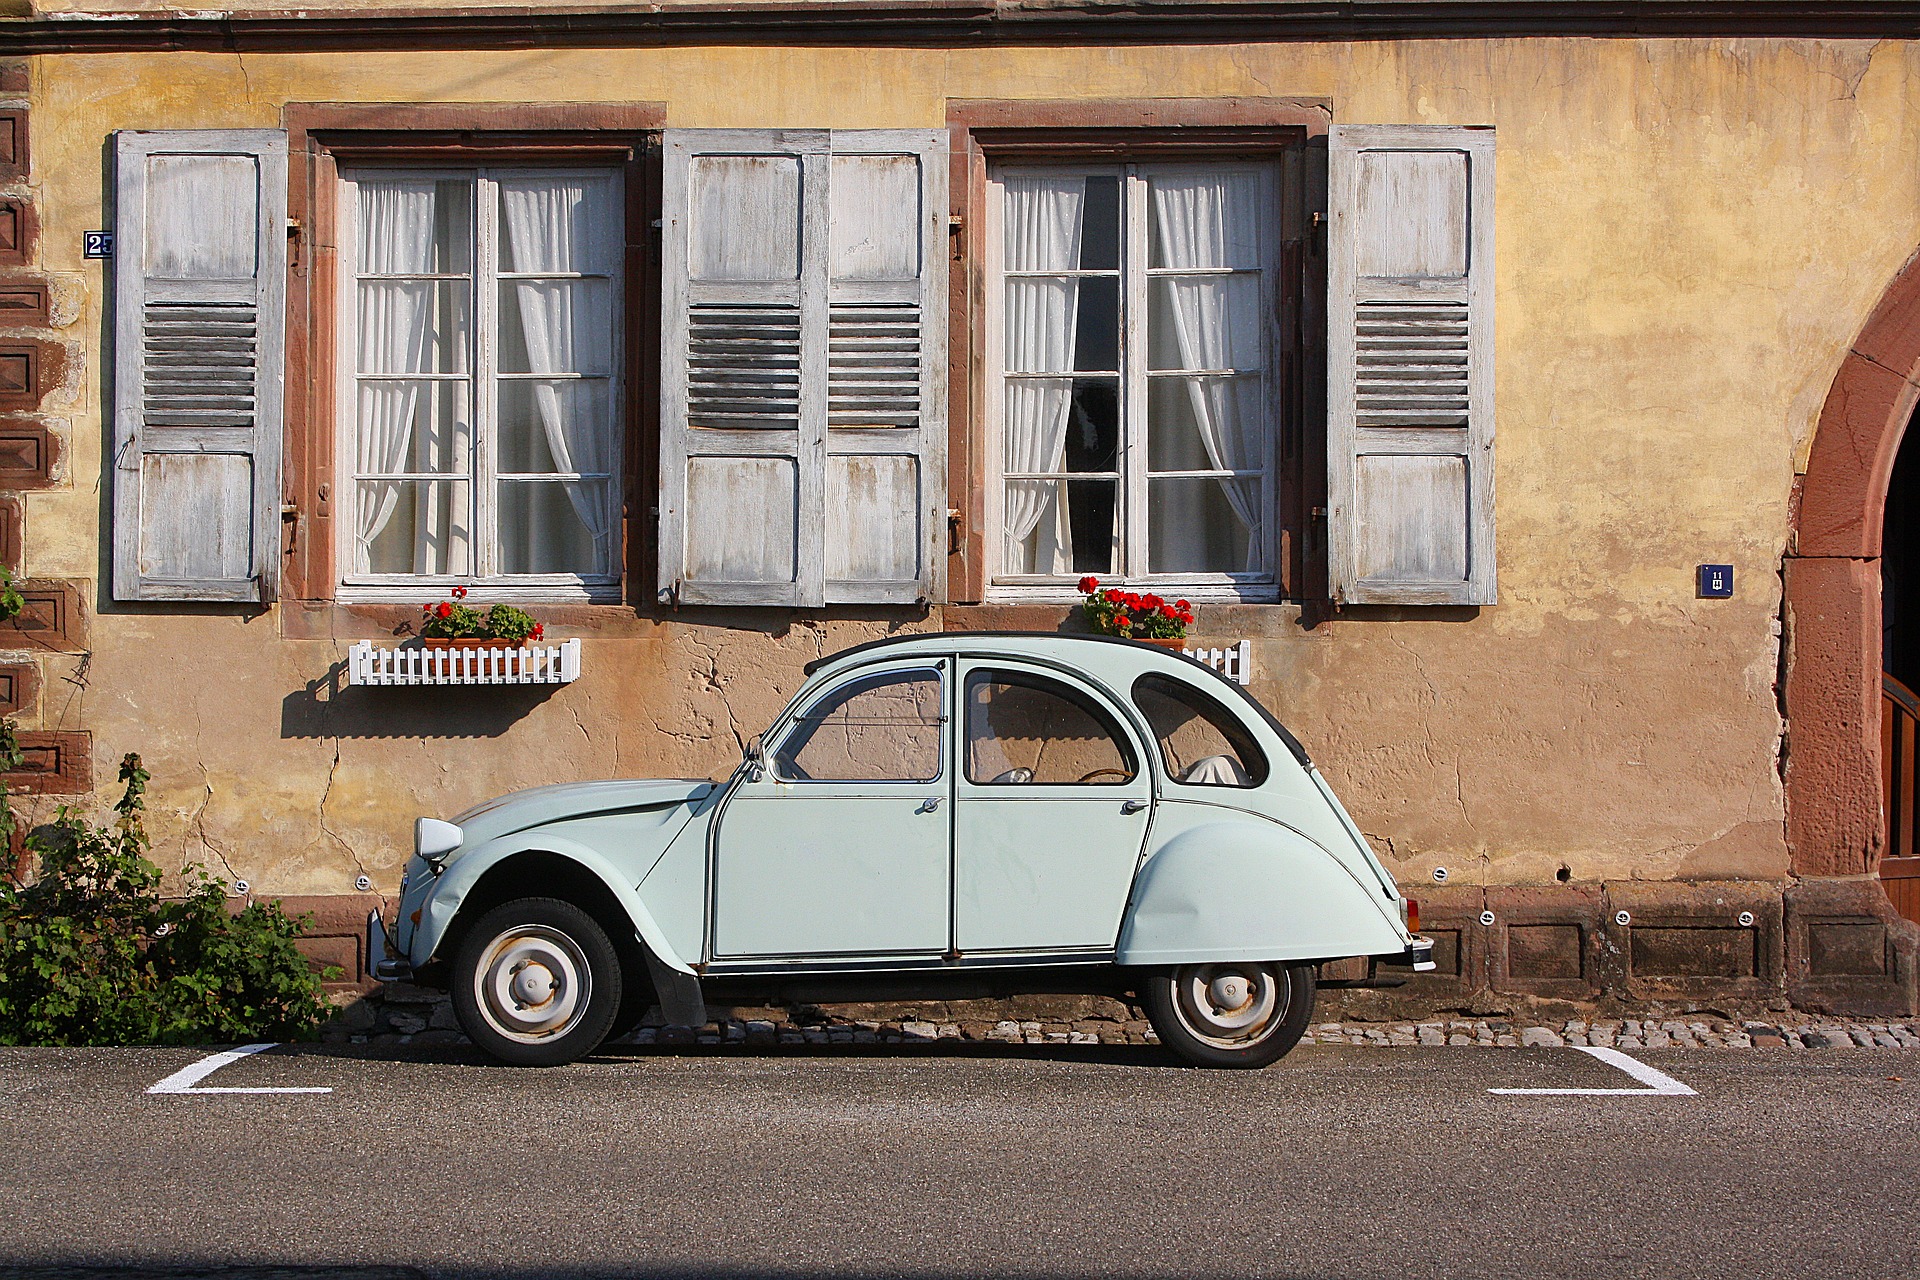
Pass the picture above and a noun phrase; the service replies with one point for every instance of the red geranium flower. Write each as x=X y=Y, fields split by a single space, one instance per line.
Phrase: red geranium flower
x=459 y=593
x=426 y=608
x=445 y=610
x=1122 y=620
x=539 y=630
x=1089 y=585
x=1152 y=602
x=1110 y=596
x=1182 y=606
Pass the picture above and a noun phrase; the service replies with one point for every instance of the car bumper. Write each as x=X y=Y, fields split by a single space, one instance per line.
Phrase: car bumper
x=387 y=964
x=1418 y=956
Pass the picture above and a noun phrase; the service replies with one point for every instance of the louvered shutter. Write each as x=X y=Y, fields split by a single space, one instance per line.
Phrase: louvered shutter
x=1410 y=364
x=200 y=246
x=803 y=401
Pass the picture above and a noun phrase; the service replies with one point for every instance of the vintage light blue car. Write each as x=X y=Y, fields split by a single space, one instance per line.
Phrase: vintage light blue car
x=934 y=816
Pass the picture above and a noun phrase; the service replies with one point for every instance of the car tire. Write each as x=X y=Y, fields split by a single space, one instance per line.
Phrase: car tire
x=536 y=983
x=1230 y=1015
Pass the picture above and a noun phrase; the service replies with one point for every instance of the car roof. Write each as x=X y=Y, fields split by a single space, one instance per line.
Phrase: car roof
x=1112 y=653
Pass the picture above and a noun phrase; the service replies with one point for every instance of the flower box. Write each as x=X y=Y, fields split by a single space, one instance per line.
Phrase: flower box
x=488 y=663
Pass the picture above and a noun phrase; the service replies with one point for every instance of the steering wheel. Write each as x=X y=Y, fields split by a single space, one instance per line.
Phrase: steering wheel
x=1121 y=774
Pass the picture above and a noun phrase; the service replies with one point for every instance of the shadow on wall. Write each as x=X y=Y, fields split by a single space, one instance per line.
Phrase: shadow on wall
x=329 y=707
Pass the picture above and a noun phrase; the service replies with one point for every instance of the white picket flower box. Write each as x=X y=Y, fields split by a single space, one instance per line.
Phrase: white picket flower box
x=503 y=664
x=1235 y=662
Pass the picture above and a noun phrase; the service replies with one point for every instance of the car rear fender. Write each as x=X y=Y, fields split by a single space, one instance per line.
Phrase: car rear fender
x=465 y=872
x=1240 y=887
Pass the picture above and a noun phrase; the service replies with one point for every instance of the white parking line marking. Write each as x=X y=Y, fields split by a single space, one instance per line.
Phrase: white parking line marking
x=187 y=1080
x=1659 y=1083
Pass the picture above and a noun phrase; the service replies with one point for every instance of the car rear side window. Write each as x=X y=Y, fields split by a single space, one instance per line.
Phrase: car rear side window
x=1201 y=742
x=879 y=728
x=1023 y=728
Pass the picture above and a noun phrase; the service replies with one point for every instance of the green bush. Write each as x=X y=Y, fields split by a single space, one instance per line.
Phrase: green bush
x=90 y=953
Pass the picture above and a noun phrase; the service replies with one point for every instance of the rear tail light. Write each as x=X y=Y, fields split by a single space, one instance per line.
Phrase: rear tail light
x=1413 y=916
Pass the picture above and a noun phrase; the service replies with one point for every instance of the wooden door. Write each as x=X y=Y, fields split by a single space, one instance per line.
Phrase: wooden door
x=1899 y=751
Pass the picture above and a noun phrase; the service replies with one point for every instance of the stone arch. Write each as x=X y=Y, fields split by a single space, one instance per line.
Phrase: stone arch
x=1831 y=663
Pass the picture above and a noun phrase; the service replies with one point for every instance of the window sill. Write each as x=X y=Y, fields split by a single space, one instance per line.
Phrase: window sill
x=1056 y=592
x=501 y=664
x=509 y=592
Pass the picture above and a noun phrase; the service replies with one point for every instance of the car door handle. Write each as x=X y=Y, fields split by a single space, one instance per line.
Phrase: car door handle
x=928 y=805
x=1132 y=806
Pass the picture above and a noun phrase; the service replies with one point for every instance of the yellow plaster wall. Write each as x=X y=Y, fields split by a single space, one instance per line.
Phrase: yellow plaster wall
x=1689 y=235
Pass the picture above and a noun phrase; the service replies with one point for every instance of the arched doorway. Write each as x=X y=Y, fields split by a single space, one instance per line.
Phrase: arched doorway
x=1833 y=686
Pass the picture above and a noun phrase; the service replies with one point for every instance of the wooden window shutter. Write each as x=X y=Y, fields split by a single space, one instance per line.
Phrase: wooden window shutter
x=803 y=376
x=200 y=264
x=1410 y=364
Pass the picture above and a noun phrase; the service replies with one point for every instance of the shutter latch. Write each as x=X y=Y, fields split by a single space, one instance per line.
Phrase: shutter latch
x=670 y=595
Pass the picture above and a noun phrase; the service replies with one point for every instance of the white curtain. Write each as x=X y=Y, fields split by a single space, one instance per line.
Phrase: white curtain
x=1204 y=220
x=396 y=322
x=557 y=224
x=1043 y=216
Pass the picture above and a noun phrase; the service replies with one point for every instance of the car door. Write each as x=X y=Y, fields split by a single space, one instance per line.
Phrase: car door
x=843 y=846
x=1052 y=799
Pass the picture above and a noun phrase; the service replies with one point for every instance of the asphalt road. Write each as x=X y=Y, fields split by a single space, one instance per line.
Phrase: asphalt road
x=1022 y=1162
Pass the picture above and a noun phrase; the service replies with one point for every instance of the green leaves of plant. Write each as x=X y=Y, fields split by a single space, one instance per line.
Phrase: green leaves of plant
x=90 y=953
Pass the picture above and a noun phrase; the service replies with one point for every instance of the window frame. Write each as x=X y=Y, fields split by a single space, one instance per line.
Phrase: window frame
x=1134 y=378
x=326 y=136
x=485 y=380
x=1291 y=131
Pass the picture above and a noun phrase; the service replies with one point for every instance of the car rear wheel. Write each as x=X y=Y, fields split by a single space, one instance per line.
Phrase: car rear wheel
x=1230 y=1015
x=536 y=983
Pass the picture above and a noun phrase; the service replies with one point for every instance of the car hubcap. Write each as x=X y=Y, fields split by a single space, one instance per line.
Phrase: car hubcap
x=1231 y=1006
x=533 y=983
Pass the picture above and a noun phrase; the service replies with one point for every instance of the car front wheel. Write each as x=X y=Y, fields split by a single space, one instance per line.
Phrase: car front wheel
x=536 y=983
x=1230 y=1015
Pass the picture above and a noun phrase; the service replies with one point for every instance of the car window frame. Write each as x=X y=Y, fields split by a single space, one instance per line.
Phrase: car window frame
x=1119 y=715
x=789 y=723
x=1257 y=777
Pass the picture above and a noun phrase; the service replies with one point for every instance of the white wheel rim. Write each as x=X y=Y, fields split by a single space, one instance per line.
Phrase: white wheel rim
x=533 y=983
x=1231 y=1006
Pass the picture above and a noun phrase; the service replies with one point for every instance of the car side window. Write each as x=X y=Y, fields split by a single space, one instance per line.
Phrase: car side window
x=878 y=728
x=1201 y=742
x=1024 y=729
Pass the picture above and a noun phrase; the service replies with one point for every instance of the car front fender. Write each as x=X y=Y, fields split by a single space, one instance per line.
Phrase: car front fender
x=463 y=873
x=1246 y=888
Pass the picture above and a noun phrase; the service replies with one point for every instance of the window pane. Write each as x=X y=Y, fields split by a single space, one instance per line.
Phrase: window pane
x=1024 y=729
x=407 y=425
x=564 y=425
x=1096 y=338
x=559 y=223
x=1201 y=742
x=1202 y=526
x=1205 y=218
x=1100 y=225
x=1056 y=425
x=1207 y=424
x=1060 y=527
x=1042 y=314
x=1204 y=322
x=1042 y=215
x=883 y=728
x=416 y=226
x=414 y=526
x=414 y=326
x=556 y=326
x=554 y=526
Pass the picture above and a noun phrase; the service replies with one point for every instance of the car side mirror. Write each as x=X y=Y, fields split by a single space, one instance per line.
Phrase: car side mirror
x=756 y=758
